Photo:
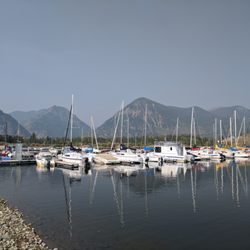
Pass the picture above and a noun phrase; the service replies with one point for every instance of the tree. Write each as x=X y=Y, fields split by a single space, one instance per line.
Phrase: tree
x=33 y=138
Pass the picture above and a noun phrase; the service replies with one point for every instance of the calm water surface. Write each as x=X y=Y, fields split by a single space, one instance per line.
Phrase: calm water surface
x=203 y=206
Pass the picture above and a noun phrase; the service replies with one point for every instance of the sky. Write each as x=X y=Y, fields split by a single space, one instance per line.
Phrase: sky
x=176 y=52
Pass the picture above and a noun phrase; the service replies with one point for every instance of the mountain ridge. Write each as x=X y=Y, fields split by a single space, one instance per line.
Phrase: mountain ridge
x=161 y=120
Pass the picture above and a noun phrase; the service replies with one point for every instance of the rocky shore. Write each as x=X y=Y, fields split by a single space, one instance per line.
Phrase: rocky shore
x=15 y=233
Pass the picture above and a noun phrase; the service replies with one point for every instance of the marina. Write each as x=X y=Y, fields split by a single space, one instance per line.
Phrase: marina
x=175 y=206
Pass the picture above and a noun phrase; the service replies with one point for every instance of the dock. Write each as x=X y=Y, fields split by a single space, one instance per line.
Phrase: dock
x=16 y=162
x=106 y=159
x=66 y=165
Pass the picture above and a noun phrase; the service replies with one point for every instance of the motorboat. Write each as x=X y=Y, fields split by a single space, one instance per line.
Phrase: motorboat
x=171 y=152
x=44 y=159
x=127 y=156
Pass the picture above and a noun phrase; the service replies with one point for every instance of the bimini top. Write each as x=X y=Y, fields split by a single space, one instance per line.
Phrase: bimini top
x=167 y=143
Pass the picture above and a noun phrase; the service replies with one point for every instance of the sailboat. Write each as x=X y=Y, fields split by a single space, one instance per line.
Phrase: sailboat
x=71 y=155
x=123 y=154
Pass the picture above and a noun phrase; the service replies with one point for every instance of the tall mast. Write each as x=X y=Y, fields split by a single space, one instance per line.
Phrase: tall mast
x=121 y=121
x=6 y=131
x=93 y=127
x=215 y=131
x=127 y=130
x=213 y=134
x=244 y=130
x=82 y=137
x=231 y=131
x=18 y=131
x=71 y=118
x=91 y=134
x=145 y=125
x=113 y=141
x=194 y=131
x=191 y=129
x=177 y=129
x=220 y=131
x=235 y=128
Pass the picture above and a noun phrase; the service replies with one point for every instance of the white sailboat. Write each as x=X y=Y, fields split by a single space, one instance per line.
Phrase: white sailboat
x=70 y=155
x=124 y=155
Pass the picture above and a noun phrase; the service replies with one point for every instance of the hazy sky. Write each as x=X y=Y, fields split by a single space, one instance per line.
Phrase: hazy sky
x=180 y=53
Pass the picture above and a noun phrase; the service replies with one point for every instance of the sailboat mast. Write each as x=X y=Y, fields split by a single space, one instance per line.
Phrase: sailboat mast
x=145 y=125
x=231 y=132
x=127 y=130
x=93 y=127
x=177 y=129
x=18 y=131
x=113 y=141
x=235 y=129
x=121 y=121
x=194 y=132
x=215 y=131
x=244 y=130
x=191 y=129
x=220 y=131
x=71 y=119
x=91 y=133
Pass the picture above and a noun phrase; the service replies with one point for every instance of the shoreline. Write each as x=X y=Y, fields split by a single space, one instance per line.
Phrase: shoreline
x=15 y=233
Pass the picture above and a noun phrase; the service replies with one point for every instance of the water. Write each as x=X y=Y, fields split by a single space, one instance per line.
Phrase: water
x=203 y=206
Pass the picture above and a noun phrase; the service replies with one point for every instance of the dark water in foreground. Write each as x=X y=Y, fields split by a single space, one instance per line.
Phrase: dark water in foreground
x=204 y=206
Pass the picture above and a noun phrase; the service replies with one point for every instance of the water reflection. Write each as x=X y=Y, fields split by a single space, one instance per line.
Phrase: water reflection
x=105 y=205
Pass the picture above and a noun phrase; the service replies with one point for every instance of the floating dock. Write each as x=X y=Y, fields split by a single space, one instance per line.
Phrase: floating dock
x=66 y=165
x=16 y=162
x=106 y=159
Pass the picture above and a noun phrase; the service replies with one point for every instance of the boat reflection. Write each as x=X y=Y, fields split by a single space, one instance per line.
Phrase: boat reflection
x=143 y=182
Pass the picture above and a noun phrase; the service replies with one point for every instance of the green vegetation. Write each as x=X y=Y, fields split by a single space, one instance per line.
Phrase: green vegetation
x=103 y=142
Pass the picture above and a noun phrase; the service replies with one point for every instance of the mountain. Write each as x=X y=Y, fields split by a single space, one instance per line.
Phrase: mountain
x=51 y=122
x=227 y=112
x=224 y=114
x=12 y=126
x=161 y=120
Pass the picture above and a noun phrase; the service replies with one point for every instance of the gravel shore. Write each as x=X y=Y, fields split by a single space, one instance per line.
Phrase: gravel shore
x=15 y=233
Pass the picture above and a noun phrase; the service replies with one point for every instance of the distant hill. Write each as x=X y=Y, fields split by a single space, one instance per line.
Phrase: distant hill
x=161 y=120
x=50 y=122
x=12 y=126
x=224 y=114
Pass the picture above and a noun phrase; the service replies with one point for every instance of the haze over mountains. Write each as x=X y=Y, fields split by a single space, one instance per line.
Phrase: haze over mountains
x=10 y=126
x=51 y=122
x=161 y=120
